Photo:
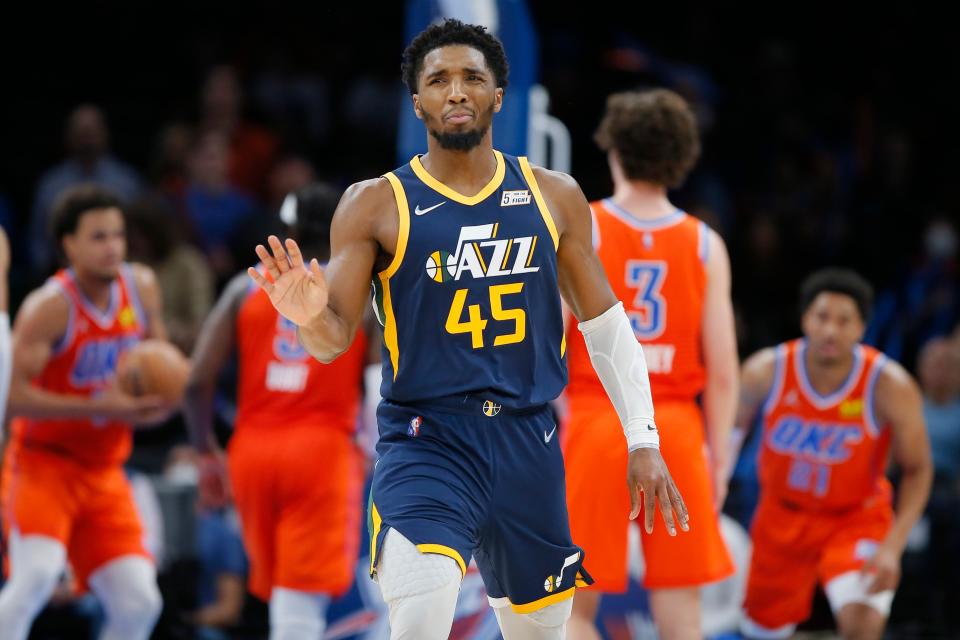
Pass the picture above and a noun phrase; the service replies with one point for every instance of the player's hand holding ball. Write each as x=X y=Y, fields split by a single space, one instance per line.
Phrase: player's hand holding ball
x=298 y=293
x=151 y=378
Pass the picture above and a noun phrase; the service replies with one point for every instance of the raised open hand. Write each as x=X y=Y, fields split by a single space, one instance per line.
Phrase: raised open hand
x=299 y=294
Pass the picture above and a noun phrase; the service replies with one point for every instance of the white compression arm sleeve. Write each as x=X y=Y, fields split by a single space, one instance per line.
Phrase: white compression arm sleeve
x=618 y=360
x=6 y=362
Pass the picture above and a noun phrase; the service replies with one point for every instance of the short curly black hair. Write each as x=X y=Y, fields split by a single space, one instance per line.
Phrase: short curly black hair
x=453 y=32
x=836 y=280
x=654 y=134
x=70 y=206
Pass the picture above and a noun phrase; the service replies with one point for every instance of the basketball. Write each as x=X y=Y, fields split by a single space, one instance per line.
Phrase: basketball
x=154 y=367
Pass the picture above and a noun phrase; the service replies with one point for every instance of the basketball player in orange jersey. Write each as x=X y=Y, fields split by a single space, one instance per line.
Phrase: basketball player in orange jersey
x=295 y=469
x=65 y=495
x=673 y=275
x=830 y=410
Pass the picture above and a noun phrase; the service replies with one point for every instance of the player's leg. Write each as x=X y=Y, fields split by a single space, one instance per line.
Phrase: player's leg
x=36 y=564
x=529 y=564
x=127 y=589
x=297 y=614
x=598 y=504
x=783 y=572
x=859 y=614
x=107 y=553
x=676 y=566
x=860 y=621
x=430 y=492
x=420 y=589
x=39 y=497
x=317 y=510
x=548 y=623
x=676 y=612
x=582 y=625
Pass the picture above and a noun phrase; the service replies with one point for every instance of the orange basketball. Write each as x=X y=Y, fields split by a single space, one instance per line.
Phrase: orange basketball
x=154 y=367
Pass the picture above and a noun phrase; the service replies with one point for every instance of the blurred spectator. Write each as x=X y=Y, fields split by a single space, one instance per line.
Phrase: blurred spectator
x=215 y=208
x=251 y=148
x=923 y=304
x=168 y=170
x=939 y=374
x=186 y=281
x=289 y=175
x=88 y=160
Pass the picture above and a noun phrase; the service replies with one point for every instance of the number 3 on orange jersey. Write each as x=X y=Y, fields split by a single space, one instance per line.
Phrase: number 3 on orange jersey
x=648 y=311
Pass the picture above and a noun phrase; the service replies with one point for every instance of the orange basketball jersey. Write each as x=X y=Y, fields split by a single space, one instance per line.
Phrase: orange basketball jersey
x=820 y=451
x=658 y=269
x=281 y=384
x=84 y=362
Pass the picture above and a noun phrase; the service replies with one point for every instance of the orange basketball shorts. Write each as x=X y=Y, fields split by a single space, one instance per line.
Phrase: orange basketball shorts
x=595 y=455
x=793 y=548
x=88 y=509
x=298 y=490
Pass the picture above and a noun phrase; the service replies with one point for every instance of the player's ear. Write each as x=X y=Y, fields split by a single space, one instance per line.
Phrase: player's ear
x=416 y=106
x=497 y=99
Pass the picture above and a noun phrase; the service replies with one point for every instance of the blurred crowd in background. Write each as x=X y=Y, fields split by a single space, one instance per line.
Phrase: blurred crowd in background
x=827 y=140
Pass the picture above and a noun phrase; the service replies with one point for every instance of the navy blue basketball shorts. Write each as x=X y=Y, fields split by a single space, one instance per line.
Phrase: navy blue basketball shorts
x=466 y=477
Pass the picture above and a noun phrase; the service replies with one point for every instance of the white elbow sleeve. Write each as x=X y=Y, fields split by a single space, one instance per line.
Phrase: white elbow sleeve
x=618 y=360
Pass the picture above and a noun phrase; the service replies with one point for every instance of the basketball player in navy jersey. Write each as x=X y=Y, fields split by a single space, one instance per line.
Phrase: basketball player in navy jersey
x=468 y=250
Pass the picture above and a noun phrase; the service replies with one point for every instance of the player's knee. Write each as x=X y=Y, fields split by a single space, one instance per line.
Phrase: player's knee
x=550 y=617
x=37 y=580
x=419 y=588
x=858 y=621
x=543 y=624
x=554 y=615
x=138 y=606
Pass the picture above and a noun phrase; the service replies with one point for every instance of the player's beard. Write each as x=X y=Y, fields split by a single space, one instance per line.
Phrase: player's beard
x=461 y=140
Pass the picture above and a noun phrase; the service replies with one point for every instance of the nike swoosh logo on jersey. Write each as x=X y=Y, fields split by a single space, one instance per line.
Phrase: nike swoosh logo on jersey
x=418 y=211
x=547 y=437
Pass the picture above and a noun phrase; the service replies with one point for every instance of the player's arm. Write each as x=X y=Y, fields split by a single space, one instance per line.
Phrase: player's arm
x=214 y=345
x=327 y=304
x=152 y=300
x=719 y=347
x=756 y=380
x=614 y=350
x=899 y=404
x=210 y=354
x=41 y=322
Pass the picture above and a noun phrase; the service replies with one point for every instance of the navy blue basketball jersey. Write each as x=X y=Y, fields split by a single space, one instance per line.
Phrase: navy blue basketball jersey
x=470 y=303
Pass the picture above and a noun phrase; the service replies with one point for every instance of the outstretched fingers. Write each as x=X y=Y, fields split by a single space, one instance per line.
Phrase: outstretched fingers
x=293 y=250
x=280 y=257
x=262 y=282
x=268 y=262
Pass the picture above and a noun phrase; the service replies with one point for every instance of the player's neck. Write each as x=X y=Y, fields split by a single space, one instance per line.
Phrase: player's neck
x=826 y=376
x=96 y=290
x=464 y=171
x=643 y=200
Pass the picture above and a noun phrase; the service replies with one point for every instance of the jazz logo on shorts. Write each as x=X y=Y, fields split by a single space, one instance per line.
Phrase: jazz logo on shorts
x=552 y=583
x=480 y=254
x=490 y=408
x=413 y=429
